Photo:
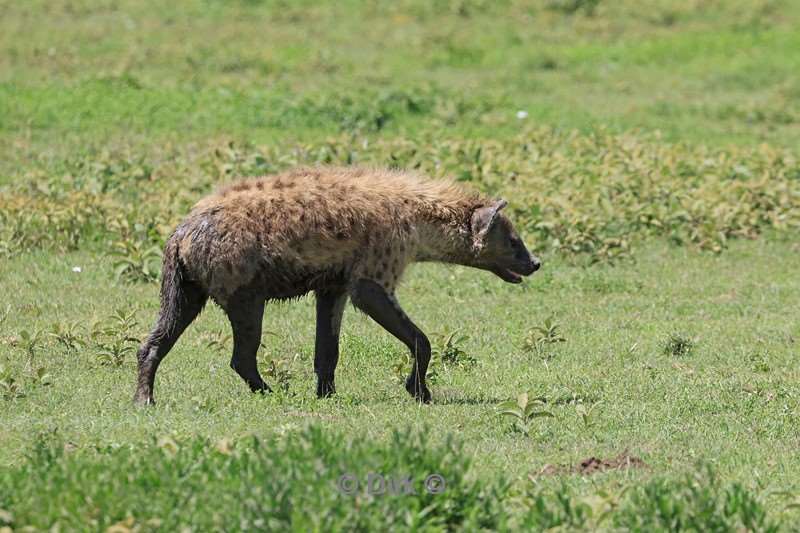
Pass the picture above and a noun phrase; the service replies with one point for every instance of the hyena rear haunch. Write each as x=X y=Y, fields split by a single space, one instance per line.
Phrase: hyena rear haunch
x=340 y=232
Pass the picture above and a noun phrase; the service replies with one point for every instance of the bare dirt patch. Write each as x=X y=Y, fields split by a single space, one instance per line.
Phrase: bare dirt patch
x=594 y=465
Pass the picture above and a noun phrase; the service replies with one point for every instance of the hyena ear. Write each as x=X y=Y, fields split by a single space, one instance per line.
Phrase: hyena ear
x=482 y=220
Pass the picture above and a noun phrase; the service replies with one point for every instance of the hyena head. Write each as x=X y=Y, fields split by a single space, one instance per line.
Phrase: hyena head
x=497 y=247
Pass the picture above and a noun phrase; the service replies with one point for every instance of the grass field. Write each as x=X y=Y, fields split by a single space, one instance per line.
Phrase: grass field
x=648 y=153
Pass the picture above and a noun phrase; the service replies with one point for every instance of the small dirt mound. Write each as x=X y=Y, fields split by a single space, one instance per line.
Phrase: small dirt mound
x=593 y=465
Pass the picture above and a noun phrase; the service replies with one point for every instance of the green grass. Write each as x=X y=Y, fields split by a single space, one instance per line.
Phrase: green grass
x=296 y=482
x=731 y=401
x=656 y=172
x=200 y=66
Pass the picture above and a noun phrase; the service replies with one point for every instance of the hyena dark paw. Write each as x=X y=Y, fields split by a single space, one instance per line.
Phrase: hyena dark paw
x=261 y=388
x=418 y=390
x=143 y=399
x=325 y=388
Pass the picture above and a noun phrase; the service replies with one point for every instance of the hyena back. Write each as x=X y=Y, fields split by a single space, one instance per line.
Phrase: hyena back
x=340 y=232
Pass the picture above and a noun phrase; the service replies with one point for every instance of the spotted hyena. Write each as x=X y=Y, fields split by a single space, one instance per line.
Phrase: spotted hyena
x=340 y=232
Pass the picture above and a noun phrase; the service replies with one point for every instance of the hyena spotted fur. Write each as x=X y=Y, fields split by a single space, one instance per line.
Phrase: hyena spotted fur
x=340 y=232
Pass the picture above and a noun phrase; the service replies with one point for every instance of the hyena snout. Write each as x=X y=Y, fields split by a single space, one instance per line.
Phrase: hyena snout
x=527 y=265
x=520 y=265
x=523 y=262
x=533 y=264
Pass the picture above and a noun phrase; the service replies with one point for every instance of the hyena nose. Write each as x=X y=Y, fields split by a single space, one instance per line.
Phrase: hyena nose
x=535 y=263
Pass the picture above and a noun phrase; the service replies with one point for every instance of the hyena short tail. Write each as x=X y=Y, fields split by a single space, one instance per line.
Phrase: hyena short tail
x=181 y=301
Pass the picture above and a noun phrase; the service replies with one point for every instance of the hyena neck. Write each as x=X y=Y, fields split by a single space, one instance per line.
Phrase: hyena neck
x=445 y=237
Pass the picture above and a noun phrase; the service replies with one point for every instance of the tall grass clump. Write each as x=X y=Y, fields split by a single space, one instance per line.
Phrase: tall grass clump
x=589 y=197
x=294 y=482
x=272 y=483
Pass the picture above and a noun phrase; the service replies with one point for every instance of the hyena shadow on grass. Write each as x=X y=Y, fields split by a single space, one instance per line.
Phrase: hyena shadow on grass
x=339 y=232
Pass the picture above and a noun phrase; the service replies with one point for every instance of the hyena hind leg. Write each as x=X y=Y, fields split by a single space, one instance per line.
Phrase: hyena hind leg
x=245 y=315
x=173 y=319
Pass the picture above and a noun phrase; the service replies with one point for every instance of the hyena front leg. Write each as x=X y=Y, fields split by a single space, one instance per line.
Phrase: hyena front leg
x=245 y=315
x=384 y=309
x=330 y=307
